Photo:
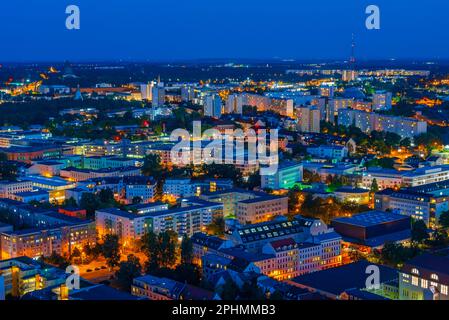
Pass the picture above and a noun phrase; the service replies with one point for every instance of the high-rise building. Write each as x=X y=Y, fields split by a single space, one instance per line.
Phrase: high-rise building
x=349 y=75
x=381 y=100
x=308 y=119
x=146 y=90
x=369 y=121
x=327 y=91
x=321 y=104
x=234 y=104
x=187 y=93
x=158 y=95
x=213 y=106
x=282 y=106
x=335 y=105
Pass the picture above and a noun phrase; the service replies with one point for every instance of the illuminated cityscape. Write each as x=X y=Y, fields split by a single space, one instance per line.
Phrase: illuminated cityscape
x=95 y=203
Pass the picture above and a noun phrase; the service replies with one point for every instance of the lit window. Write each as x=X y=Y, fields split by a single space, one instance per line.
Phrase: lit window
x=424 y=283
x=434 y=276
x=415 y=271
x=444 y=290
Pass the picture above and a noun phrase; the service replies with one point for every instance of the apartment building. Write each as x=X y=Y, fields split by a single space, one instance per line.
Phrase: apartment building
x=9 y=188
x=130 y=226
x=426 y=175
x=420 y=206
x=261 y=209
x=22 y=275
x=329 y=152
x=425 y=277
x=46 y=232
x=385 y=178
x=75 y=174
x=369 y=121
x=180 y=188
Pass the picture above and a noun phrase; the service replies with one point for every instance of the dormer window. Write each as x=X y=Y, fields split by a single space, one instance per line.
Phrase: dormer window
x=434 y=277
x=415 y=271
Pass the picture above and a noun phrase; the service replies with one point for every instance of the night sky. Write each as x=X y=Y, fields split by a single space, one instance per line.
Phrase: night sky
x=156 y=30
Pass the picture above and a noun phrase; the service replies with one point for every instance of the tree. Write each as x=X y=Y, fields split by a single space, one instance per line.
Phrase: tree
x=428 y=139
x=106 y=196
x=276 y=295
x=395 y=254
x=355 y=255
x=419 y=231
x=8 y=170
x=439 y=240
x=128 y=270
x=71 y=202
x=392 y=139
x=152 y=166
x=150 y=247
x=253 y=181
x=168 y=242
x=251 y=291
x=111 y=250
x=76 y=253
x=229 y=290
x=90 y=203
x=217 y=227
x=160 y=249
x=189 y=273
x=406 y=142
x=293 y=200
x=444 y=219
x=56 y=260
x=311 y=177
x=374 y=186
x=93 y=252
x=137 y=200
x=386 y=163
x=310 y=205
x=186 y=250
x=221 y=171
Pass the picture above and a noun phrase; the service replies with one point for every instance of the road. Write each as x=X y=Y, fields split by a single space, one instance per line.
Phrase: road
x=98 y=271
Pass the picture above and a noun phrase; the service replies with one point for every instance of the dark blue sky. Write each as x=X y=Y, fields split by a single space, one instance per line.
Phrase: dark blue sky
x=34 y=30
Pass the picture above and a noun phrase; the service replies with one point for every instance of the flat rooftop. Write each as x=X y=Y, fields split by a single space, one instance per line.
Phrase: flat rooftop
x=371 y=218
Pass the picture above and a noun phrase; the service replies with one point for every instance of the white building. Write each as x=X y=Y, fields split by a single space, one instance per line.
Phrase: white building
x=327 y=90
x=213 y=106
x=158 y=95
x=385 y=179
x=381 y=100
x=426 y=175
x=369 y=121
x=187 y=93
x=146 y=90
x=9 y=188
x=335 y=105
x=143 y=188
x=308 y=119
x=234 y=104
x=128 y=226
x=419 y=206
x=329 y=152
